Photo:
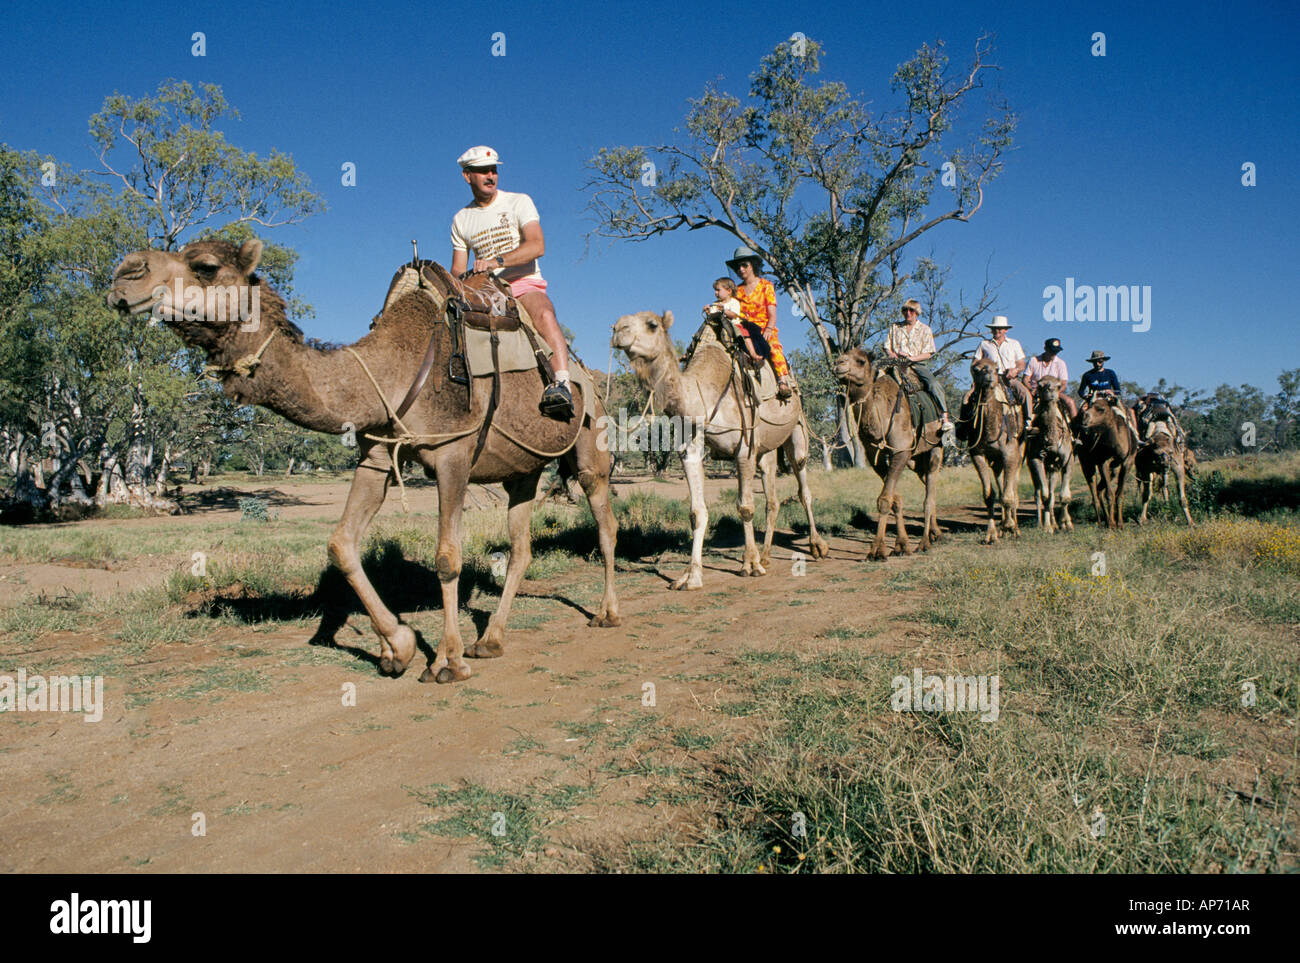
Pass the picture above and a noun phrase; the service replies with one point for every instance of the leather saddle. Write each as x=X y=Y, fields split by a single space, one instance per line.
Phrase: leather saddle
x=484 y=301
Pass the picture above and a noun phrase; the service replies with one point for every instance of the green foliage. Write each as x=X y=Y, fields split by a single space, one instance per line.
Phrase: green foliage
x=81 y=382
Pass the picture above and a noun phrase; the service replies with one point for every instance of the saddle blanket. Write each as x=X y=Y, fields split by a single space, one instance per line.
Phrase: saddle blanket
x=514 y=353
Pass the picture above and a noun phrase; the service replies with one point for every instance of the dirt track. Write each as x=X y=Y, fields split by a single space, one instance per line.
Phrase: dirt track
x=249 y=728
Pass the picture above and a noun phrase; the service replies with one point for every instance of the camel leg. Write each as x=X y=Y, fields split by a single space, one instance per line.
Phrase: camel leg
x=593 y=476
x=930 y=529
x=1042 y=480
x=521 y=492
x=1090 y=476
x=887 y=505
x=1065 y=495
x=1180 y=476
x=745 y=466
x=1144 y=494
x=990 y=498
x=369 y=486
x=796 y=453
x=902 y=544
x=1120 y=475
x=1011 y=492
x=693 y=465
x=449 y=663
x=767 y=465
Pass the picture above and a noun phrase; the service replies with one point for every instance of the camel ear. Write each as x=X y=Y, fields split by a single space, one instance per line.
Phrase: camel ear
x=668 y=319
x=249 y=254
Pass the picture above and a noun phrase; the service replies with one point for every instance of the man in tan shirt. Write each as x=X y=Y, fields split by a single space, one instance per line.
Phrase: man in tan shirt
x=912 y=340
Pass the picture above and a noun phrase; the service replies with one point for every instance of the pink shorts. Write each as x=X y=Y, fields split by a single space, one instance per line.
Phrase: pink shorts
x=527 y=286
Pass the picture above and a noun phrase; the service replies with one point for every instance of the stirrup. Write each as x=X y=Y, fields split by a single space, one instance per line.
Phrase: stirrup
x=557 y=402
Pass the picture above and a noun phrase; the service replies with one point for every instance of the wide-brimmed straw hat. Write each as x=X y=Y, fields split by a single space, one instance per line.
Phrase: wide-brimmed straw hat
x=1098 y=356
x=999 y=321
x=745 y=254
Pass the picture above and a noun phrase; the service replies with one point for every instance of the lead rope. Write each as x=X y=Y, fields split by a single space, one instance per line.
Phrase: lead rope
x=245 y=366
x=407 y=437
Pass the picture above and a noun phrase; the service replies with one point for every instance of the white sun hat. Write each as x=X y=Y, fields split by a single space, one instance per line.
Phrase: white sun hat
x=479 y=157
x=999 y=321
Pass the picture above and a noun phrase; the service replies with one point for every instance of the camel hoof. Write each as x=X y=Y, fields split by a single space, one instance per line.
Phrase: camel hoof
x=765 y=560
x=686 y=583
x=819 y=549
x=486 y=648
x=449 y=673
x=402 y=643
x=442 y=674
x=605 y=621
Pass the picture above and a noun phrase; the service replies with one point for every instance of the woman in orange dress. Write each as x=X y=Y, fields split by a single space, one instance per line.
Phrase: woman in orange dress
x=757 y=299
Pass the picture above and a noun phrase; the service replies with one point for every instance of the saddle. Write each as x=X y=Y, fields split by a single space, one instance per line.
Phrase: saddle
x=758 y=379
x=924 y=408
x=490 y=332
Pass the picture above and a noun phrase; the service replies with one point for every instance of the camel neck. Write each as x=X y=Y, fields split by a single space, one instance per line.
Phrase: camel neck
x=306 y=385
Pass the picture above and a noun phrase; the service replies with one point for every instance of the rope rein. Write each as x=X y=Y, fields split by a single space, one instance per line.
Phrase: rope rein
x=245 y=366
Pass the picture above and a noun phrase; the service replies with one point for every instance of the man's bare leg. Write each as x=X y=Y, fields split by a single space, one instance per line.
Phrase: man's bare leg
x=557 y=399
x=547 y=324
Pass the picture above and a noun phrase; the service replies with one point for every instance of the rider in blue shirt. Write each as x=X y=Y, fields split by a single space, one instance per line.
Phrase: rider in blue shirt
x=1101 y=378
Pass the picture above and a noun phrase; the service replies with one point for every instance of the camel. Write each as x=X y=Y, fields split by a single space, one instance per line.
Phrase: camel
x=1049 y=453
x=884 y=424
x=706 y=399
x=997 y=449
x=1107 y=445
x=264 y=361
x=1154 y=461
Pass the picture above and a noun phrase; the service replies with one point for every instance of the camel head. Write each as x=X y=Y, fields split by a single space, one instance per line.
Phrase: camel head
x=643 y=336
x=854 y=371
x=1100 y=413
x=983 y=373
x=1046 y=393
x=205 y=291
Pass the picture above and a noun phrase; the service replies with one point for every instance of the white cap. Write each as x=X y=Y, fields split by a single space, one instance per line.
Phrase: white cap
x=478 y=157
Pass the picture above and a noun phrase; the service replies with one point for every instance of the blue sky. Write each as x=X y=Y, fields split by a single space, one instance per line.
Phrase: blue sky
x=1126 y=168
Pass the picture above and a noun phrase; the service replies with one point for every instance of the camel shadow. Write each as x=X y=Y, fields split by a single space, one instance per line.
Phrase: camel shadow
x=406 y=586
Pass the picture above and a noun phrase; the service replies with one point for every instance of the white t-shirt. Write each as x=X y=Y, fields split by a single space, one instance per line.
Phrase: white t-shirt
x=495 y=230
x=1004 y=355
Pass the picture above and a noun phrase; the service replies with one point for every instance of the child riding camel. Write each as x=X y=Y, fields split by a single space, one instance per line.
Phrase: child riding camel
x=748 y=333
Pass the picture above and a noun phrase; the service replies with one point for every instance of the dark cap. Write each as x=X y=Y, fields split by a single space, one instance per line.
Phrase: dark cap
x=1052 y=344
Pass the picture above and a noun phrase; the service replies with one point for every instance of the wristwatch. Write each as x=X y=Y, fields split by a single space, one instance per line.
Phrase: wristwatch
x=501 y=262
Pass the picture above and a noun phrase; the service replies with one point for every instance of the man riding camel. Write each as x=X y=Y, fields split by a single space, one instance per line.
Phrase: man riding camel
x=1009 y=356
x=1101 y=380
x=1050 y=364
x=912 y=340
x=505 y=233
x=1151 y=408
